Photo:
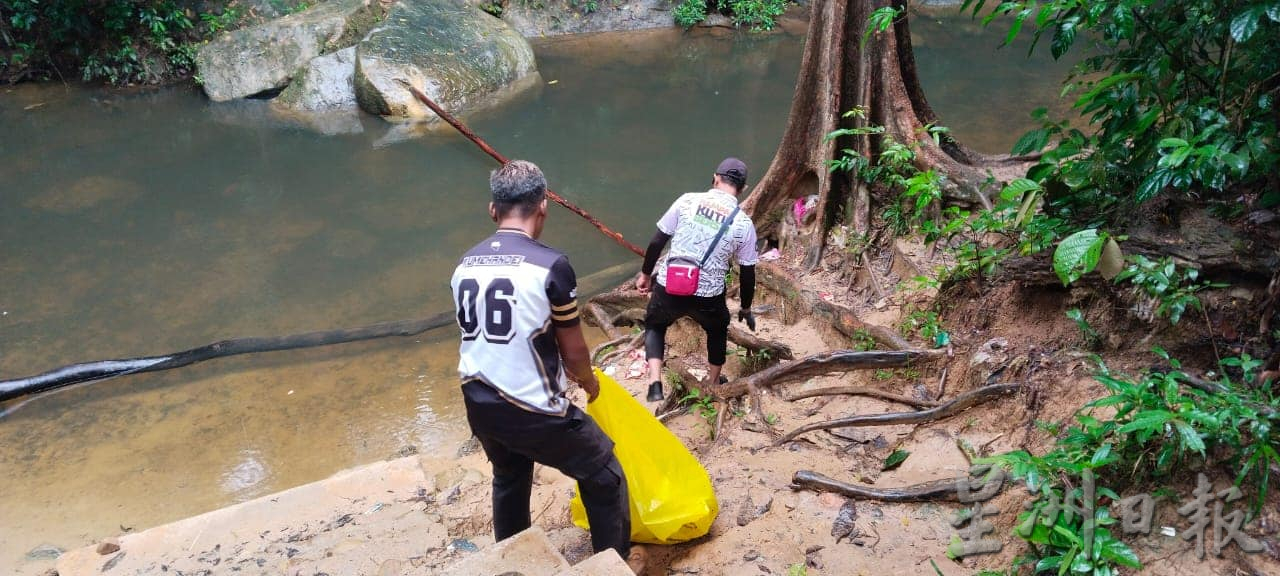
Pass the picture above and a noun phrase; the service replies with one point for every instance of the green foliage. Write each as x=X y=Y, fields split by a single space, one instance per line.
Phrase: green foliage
x=690 y=12
x=1078 y=254
x=797 y=569
x=1091 y=337
x=758 y=15
x=880 y=20
x=1147 y=427
x=928 y=324
x=120 y=41
x=703 y=405
x=895 y=459
x=216 y=23
x=1173 y=289
x=752 y=361
x=862 y=340
x=1178 y=96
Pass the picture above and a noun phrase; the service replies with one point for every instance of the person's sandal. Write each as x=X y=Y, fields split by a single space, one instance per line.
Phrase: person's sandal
x=655 y=392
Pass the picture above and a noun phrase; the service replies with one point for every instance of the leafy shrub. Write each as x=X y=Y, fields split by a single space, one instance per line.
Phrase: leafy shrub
x=1179 y=96
x=120 y=41
x=690 y=12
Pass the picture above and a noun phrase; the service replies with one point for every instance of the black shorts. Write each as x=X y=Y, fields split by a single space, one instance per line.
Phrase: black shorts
x=710 y=312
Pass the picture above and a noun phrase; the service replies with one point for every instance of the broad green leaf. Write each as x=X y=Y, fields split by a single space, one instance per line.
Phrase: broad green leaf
x=1244 y=25
x=1150 y=420
x=1273 y=11
x=1078 y=254
x=1103 y=85
x=1153 y=184
x=1237 y=163
x=895 y=459
x=1190 y=437
x=1030 y=142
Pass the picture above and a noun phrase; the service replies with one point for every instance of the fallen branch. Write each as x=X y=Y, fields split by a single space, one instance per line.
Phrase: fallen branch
x=860 y=391
x=956 y=405
x=819 y=364
x=936 y=491
x=104 y=369
x=462 y=128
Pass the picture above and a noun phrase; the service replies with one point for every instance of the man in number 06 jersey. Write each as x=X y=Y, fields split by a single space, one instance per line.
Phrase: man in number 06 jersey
x=518 y=313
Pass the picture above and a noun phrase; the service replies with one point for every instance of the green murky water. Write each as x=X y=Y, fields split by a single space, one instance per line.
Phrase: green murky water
x=143 y=223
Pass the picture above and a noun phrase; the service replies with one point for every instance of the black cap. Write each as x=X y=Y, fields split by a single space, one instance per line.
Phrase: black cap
x=733 y=168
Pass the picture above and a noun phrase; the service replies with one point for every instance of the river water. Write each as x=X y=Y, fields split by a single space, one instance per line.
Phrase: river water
x=143 y=223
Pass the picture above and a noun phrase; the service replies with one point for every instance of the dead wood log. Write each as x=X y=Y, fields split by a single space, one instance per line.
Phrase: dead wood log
x=860 y=391
x=956 y=405
x=819 y=364
x=936 y=491
x=846 y=321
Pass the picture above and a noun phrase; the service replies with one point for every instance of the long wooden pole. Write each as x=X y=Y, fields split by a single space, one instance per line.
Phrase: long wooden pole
x=462 y=128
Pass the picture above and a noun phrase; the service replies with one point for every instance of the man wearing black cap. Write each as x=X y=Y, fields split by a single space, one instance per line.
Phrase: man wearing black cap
x=706 y=231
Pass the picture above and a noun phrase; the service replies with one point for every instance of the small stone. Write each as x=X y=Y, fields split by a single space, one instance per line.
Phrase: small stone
x=45 y=552
x=108 y=546
x=471 y=446
x=845 y=525
x=749 y=511
x=751 y=555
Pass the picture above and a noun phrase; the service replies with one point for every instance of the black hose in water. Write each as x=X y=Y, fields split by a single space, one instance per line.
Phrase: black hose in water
x=104 y=369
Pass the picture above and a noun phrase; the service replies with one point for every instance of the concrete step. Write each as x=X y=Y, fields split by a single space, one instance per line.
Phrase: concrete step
x=531 y=553
x=528 y=553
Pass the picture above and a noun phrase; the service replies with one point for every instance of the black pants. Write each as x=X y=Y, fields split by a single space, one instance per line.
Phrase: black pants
x=514 y=438
x=710 y=312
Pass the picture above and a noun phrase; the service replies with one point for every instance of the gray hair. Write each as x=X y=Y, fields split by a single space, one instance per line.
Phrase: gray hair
x=518 y=184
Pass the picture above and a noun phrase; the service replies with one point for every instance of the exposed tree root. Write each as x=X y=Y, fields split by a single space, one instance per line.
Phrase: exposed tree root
x=956 y=405
x=819 y=364
x=846 y=321
x=936 y=491
x=618 y=344
x=776 y=350
x=860 y=391
x=602 y=320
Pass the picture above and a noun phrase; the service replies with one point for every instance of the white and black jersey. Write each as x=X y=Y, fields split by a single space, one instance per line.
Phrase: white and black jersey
x=510 y=290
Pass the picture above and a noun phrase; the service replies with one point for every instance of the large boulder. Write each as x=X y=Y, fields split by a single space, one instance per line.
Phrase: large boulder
x=459 y=56
x=251 y=60
x=322 y=96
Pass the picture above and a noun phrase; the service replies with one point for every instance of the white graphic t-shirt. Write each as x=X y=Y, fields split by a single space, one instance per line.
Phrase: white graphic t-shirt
x=693 y=221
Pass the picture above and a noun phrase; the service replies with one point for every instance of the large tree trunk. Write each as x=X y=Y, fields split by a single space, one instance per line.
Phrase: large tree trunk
x=839 y=72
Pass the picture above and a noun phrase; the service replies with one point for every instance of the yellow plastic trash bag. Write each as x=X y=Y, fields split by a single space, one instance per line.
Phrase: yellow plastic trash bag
x=671 y=495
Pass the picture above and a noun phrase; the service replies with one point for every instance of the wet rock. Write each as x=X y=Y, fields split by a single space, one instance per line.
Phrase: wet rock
x=325 y=84
x=749 y=510
x=265 y=57
x=108 y=546
x=459 y=56
x=845 y=524
x=471 y=446
x=322 y=96
x=45 y=552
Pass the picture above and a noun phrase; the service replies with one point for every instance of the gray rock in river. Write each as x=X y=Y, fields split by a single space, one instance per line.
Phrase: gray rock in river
x=322 y=96
x=461 y=57
x=324 y=84
x=250 y=60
